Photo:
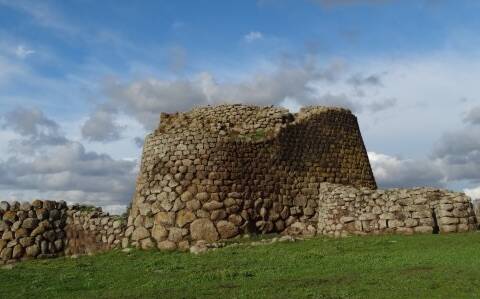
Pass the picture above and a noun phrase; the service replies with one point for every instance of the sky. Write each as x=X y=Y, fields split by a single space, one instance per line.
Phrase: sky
x=82 y=83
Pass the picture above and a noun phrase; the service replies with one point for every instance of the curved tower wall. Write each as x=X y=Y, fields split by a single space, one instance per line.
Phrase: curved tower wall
x=216 y=172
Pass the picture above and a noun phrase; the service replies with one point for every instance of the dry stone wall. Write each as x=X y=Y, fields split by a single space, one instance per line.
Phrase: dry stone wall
x=44 y=229
x=345 y=210
x=90 y=231
x=215 y=172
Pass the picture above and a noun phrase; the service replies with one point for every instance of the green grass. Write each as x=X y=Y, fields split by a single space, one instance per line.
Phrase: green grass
x=421 y=266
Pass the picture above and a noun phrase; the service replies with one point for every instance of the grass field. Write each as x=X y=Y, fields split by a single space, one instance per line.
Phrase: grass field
x=421 y=266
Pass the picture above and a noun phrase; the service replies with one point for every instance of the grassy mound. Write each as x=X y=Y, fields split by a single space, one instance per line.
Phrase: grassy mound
x=420 y=266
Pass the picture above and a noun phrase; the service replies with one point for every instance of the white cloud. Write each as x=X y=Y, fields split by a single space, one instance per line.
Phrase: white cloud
x=23 y=52
x=253 y=36
x=303 y=80
x=473 y=116
x=390 y=171
x=101 y=126
x=474 y=193
x=49 y=165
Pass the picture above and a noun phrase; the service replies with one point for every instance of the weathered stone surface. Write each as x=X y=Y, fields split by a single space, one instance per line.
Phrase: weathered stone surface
x=30 y=223
x=226 y=229
x=198 y=248
x=8 y=235
x=40 y=229
x=140 y=233
x=218 y=215
x=347 y=219
x=202 y=196
x=4 y=205
x=116 y=224
x=20 y=233
x=175 y=234
x=25 y=206
x=167 y=245
x=212 y=205
x=186 y=196
x=17 y=251
x=146 y=244
x=203 y=229
x=184 y=217
x=193 y=205
x=448 y=228
x=423 y=229
x=367 y=216
x=32 y=251
x=10 y=216
x=6 y=253
x=37 y=204
x=165 y=218
x=159 y=232
x=236 y=219
x=448 y=220
x=183 y=245
x=402 y=211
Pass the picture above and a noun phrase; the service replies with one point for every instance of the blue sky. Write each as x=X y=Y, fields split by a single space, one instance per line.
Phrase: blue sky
x=82 y=82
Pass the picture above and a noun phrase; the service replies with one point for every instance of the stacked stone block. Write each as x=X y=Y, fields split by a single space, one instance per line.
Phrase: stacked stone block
x=44 y=229
x=216 y=172
x=31 y=230
x=91 y=230
x=345 y=210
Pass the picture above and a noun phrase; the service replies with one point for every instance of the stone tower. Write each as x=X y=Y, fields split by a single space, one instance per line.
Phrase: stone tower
x=215 y=172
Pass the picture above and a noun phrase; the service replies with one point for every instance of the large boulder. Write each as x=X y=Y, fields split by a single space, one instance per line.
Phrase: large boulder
x=33 y=250
x=30 y=223
x=167 y=245
x=184 y=217
x=17 y=251
x=159 y=232
x=140 y=233
x=227 y=229
x=203 y=229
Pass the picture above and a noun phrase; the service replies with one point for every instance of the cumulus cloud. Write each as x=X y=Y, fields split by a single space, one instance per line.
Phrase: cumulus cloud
x=455 y=157
x=359 y=79
x=380 y=105
x=293 y=79
x=473 y=116
x=32 y=124
x=138 y=141
x=474 y=193
x=391 y=171
x=54 y=168
x=144 y=100
x=460 y=151
x=253 y=36
x=101 y=126
x=68 y=167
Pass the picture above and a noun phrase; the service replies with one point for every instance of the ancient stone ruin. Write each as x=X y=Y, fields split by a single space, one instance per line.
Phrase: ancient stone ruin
x=219 y=172
x=44 y=229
